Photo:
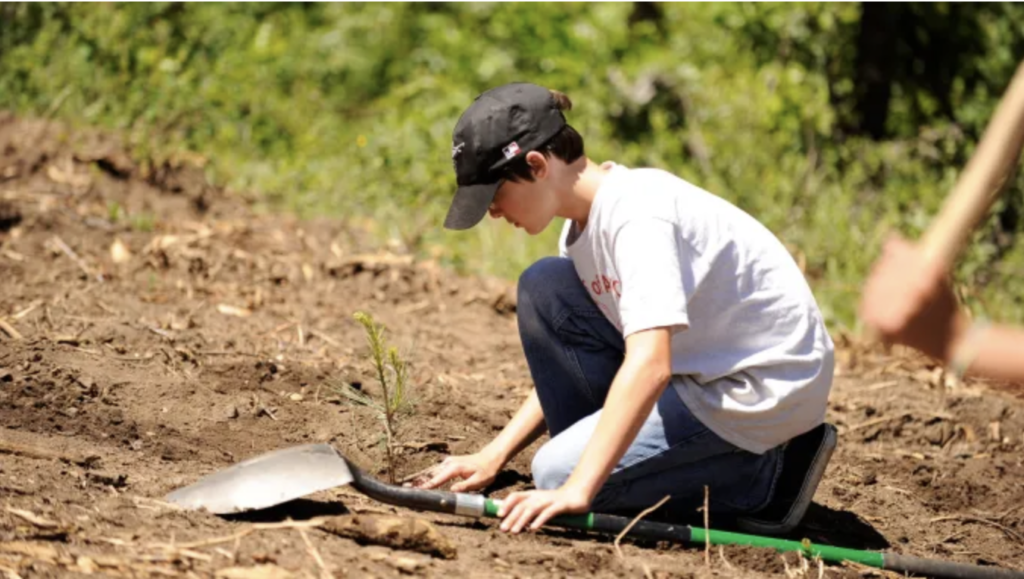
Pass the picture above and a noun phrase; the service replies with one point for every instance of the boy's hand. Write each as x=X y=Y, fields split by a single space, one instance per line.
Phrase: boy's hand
x=910 y=302
x=477 y=471
x=534 y=508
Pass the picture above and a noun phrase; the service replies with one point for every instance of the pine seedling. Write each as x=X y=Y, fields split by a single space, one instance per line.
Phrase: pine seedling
x=392 y=374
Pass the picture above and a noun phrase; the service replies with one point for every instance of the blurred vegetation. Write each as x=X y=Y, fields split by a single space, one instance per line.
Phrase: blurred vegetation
x=833 y=124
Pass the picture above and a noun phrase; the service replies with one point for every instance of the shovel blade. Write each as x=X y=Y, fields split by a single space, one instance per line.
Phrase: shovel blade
x=267 y=480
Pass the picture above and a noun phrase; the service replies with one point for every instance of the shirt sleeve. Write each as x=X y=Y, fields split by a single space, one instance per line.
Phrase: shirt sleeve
x=649 y=256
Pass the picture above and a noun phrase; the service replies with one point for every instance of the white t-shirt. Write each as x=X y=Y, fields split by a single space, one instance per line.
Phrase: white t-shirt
x=750 y=354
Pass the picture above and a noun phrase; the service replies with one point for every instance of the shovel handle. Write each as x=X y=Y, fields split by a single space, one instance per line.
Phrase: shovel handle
x=478 y=506
x=981 y=180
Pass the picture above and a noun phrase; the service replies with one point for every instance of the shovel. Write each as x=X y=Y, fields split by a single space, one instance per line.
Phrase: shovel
x=284 y=475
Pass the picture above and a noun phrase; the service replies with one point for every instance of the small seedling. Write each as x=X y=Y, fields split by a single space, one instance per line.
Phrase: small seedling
x=114 y=212
x=392 y=374
x=143 y=222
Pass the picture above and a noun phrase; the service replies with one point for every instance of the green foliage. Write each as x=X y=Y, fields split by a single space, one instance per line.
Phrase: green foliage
x=347 y=110
x=393 y=377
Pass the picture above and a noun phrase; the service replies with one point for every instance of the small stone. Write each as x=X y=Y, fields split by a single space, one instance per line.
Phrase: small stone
x=265 y=571
x=105 y=478
x=296 y=397
x=405 y=564
x=71 y=412
x=85 y=565
x=119 y=252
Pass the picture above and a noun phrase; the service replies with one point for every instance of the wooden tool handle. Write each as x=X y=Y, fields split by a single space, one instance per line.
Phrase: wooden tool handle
x=979 y=184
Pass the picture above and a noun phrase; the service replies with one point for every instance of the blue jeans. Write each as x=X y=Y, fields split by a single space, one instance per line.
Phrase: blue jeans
x=574 y=353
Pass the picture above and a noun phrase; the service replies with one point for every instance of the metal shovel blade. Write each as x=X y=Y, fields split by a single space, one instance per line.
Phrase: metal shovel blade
x=267 y=480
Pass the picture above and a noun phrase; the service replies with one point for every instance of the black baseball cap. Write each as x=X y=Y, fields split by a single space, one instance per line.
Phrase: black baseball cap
x=502 y=124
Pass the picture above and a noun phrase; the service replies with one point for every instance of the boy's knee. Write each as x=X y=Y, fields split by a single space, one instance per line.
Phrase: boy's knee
x=538 y=279
x=550 y=467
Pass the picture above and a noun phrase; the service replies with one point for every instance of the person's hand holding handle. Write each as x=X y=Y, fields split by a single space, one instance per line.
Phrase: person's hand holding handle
x=907 y=298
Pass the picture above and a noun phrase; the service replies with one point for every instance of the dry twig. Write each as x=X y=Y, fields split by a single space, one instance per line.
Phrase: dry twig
x=881 y=385
x=721 y=555
x=10 y=330
x=419 y=474
x=32 y=518
x=635 y=520
x=877 y=421
x=78 y=260
x=311 y=332
x=9 y=572
x=147 y=357
x=312 y=523
x=226 y=353
x=707 y=530
x=28 y=309
x=261 y=409
x=31 y=452
x=324 y=572
x=148 y=503
x=969 y=519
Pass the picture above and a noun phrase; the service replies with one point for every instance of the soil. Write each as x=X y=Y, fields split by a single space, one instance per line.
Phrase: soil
x=164 y=329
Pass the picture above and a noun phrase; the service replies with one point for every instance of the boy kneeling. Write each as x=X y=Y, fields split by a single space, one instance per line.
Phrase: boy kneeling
x=674 y=344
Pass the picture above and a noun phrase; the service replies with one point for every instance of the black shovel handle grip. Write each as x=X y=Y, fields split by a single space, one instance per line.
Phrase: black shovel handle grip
x=446 y=502
x=946 y=569
x=410 y=498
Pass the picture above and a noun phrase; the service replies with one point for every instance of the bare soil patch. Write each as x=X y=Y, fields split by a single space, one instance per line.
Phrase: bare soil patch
x=157 y=329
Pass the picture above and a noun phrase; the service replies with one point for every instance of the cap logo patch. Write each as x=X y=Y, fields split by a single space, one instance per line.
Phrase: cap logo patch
x=511 y=150
x=456 y=149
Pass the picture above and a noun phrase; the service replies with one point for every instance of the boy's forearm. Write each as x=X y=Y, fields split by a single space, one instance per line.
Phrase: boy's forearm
x=525 y=427
x=632 y=396
x=1000 y=354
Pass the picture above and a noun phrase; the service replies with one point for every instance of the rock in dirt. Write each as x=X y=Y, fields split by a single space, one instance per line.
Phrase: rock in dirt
x=394 y=532
x=405 y=564
x=109 y=479
x=256 y=572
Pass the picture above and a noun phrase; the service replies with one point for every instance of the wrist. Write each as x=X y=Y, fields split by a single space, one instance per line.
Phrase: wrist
x=586 y=490
x=959 y=331
x=966 y=347
x=495 y=455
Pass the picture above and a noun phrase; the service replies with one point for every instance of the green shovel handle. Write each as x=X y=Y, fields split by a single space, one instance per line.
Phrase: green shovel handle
x=685 y=533
x=478 y=506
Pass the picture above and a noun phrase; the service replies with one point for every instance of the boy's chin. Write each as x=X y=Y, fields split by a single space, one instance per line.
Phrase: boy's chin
x=537 y=229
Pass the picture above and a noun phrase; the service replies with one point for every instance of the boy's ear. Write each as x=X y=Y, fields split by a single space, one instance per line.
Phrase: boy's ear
x=538 y=164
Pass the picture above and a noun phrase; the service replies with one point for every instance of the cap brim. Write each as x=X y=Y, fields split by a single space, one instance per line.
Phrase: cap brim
x=470 y=205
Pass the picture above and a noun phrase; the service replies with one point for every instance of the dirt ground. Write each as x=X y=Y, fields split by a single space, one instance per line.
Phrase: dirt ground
x=163 y=329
